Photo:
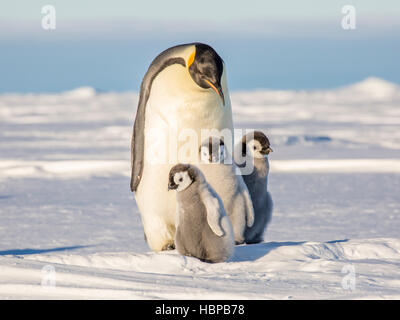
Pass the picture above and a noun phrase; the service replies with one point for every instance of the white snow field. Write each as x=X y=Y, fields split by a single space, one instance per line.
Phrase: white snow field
x=70 y=228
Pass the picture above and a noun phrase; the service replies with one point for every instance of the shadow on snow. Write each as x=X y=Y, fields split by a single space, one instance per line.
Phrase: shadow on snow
x=18 y=252
x=255 y=251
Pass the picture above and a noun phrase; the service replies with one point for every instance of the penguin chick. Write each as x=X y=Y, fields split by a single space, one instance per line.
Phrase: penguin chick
x=203 y=229
x=255 y=147
x=220 y=171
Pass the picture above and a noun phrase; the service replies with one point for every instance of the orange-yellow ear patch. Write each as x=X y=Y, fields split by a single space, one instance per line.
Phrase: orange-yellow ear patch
x=191 y=58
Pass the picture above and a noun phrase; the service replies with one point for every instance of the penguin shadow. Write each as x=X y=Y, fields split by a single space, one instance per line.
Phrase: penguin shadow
x=252 y=252
x=27 y=251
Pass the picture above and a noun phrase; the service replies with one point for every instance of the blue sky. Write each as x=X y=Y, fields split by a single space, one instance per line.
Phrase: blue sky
x=265 y=44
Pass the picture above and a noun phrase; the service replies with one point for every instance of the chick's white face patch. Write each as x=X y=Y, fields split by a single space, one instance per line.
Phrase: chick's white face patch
x=254 y=147
x=217 y=156
x=204 y=154
x=183 y=180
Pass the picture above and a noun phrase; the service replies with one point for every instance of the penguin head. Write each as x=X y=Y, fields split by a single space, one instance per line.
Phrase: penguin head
x=212 y=150
x=187 y=71
x=205 y=67
x=181 y=176
x=256 y=144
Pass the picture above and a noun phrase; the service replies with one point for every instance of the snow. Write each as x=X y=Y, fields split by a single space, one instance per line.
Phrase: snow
x=274 y=270
x=374 y=88
x=65 y=203
x=80 y=93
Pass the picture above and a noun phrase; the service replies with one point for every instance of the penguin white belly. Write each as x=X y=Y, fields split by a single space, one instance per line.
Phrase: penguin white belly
x=156 y=205
x=167 y=121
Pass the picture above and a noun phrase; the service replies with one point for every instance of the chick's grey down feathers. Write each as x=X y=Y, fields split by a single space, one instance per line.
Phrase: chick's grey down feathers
x=257 y=184
x=194 y=236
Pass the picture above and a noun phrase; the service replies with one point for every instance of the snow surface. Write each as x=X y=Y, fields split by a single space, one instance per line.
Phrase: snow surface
x=65 y=202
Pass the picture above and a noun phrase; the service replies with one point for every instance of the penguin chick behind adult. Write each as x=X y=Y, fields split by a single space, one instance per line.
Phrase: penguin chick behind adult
x=203 y=229
x=220 y=171
x=254 y=148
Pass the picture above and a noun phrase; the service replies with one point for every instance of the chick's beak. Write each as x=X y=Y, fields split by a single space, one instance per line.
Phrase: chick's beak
x=267 y=150
x=172 y=185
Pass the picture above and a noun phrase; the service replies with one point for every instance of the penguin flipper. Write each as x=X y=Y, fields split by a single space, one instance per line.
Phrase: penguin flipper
x=249 y=209
x=137 y=143
x=215 y=210
x=248 y=203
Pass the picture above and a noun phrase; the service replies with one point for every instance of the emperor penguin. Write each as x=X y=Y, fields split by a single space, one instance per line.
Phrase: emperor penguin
x=220 y=171
x=255 y=148
x=203 y=230
x=183 y=92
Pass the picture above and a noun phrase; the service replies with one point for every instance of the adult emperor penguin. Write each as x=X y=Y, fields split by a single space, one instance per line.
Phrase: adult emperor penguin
x=184 y=91
x=220 y=172
x=254 y=148
x=203 y=230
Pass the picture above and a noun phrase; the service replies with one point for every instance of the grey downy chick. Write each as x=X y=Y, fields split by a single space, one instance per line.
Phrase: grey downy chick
x=255 y=148
x=203 y=229
x=222 y=174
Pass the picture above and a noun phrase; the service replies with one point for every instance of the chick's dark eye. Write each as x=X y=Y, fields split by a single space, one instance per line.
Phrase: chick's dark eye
x=180 y=179
x=255 y=148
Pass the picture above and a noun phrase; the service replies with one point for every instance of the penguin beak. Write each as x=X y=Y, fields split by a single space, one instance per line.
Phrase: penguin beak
x=266 y=150
x=217 y=88
x=172 y=185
